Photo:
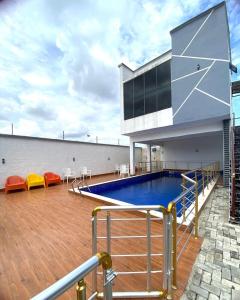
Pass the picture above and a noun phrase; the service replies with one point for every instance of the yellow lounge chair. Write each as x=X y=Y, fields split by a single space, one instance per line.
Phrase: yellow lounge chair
x=35 y=180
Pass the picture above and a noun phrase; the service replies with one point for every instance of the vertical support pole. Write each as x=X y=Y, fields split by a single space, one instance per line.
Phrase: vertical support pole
x=167 y=264
x=94 y=251
x=203 y=181
x=184 y=200
x=149 y=251
x=108 y=233
x=132 y=157
x=196 y=207
x=107 y=285
x=174 y=245
x=12 y=128
x=207 y=178
x=81 y=290
x=149 y=159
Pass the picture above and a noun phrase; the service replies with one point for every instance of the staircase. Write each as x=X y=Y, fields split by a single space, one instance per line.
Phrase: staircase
x=235 y=191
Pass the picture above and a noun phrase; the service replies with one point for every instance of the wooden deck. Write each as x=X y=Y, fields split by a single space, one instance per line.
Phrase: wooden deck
x=46 y=233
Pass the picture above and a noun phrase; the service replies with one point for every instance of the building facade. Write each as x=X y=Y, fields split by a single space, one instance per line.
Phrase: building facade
x=181 y=100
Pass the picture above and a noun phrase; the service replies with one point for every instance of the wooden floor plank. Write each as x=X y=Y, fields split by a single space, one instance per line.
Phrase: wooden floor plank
x=46 y=233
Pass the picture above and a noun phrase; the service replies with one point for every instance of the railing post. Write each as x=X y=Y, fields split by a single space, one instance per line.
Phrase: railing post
x=207 y=179
x=184 y=200
x=196 y=207
x=81 y=290
x=174 y=245
x=108 y=276
x=108 y=233
x=203 y=181
x=167 y=265
x=149 y=251
x=107 y=285
x=94 y=250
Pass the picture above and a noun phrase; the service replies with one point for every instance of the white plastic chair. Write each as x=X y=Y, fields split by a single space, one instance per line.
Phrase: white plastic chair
x=86 y=173
x=68 y=174
x=124 y=170
x=117 y=169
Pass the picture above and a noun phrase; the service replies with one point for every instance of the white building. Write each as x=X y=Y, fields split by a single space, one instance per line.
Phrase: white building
x=182 y=99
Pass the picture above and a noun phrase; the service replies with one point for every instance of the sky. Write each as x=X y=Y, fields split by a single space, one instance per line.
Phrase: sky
x=59 y=60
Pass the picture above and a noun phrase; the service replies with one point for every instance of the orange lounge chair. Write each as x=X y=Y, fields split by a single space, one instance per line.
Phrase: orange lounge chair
x=51 y=178
x=35 y=180
x=15 y=183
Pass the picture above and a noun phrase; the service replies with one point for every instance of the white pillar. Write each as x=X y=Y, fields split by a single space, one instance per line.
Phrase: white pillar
x=149 y=158
x=132 y=157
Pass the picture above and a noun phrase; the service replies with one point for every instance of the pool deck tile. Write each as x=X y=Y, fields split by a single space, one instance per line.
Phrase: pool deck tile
x=216 y=273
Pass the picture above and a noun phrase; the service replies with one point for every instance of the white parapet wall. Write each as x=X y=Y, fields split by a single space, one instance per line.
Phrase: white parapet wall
x=23 y=155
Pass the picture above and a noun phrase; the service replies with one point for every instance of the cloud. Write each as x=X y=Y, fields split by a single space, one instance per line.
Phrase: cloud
x=58 y=59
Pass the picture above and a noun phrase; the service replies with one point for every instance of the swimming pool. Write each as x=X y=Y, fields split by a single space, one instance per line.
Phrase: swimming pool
x=150 y=189
x=158 y=188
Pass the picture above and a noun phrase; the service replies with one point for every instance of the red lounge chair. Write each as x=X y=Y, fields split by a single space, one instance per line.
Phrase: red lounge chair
x=15 y=183
x=51 y=178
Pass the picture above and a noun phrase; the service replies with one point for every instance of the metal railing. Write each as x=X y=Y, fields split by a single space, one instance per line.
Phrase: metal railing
x=179 y=220
x=165 y=255
x=79 y=184
x=232 y=170
x=153 y=166
x=77 y=276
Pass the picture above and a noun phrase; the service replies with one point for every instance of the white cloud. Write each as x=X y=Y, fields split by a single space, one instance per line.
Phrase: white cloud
x=58 y=59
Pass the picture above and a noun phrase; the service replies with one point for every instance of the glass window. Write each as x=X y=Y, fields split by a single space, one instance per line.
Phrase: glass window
x=150 y=91
x=128 y=100
x=163 y=74
x=164 y=97
x=139 y=96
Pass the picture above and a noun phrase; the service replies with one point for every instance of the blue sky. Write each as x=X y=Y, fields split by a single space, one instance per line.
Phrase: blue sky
x=59 y=59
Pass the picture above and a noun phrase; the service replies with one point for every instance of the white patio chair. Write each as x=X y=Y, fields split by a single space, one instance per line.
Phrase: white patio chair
x=86 y=173
x=68 y=174
x=124 y=170
x=117 y=169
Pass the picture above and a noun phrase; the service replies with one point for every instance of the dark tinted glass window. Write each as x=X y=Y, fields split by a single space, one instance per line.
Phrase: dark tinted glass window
x=163 y=74
x=164 y=97
x=150 y=91
x=139 y=96
x=128 y=100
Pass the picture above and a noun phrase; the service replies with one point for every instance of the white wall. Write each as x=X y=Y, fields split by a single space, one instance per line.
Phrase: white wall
x=208 y=148
x=24 y=155
x=156 y=119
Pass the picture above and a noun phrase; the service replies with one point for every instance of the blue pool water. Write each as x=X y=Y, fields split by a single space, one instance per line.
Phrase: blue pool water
x=150 y=189
x=154 y=191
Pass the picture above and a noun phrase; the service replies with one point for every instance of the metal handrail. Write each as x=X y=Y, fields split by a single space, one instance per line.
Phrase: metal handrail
x=167 y=237
x=233 y=189
x=77 y=275
x=188 y=179
x=127 y=208
x=81 y=183
x=174 y=245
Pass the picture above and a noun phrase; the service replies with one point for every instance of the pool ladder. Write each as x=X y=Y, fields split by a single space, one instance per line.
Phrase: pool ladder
x=80 y=183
